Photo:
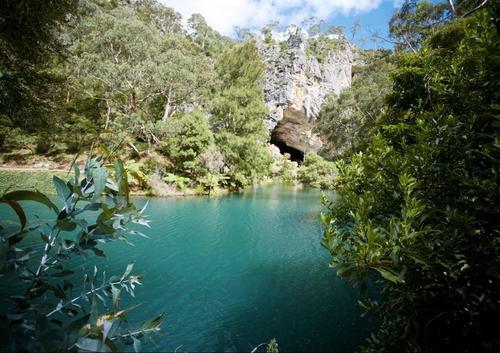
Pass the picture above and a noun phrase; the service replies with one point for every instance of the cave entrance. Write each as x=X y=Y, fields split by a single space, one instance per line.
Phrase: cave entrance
x=295 y=154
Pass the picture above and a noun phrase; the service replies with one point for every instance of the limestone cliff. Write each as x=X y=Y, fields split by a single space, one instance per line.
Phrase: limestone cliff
x=296 y=85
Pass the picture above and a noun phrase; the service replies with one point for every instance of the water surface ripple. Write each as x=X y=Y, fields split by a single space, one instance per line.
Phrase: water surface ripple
x=235 y=271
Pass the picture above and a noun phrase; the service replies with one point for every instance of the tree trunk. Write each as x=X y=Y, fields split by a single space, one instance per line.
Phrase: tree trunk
x=166 y=113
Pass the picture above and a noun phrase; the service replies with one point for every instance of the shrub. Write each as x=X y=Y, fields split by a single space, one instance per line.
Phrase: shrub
x=52 y=312
x=187 y=137
x=316 y=171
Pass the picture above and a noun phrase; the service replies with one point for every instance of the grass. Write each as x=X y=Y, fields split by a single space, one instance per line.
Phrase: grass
x=28 y=180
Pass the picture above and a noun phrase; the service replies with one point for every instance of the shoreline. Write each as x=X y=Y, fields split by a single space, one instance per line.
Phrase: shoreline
x=40 y=179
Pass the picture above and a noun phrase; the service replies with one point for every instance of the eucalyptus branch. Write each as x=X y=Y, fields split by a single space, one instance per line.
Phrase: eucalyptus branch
x=46 y=250
x=478 y=7
x=256 y=348
x=134 y=333
x=92 y=291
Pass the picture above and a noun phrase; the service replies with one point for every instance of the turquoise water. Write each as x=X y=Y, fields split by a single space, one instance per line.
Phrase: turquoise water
x=235 y=271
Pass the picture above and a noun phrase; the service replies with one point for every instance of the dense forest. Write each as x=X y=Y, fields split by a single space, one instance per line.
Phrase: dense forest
x=410 y=148
x=183 y=106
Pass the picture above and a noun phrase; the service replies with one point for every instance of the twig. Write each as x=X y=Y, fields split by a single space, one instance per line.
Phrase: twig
x=86 y=294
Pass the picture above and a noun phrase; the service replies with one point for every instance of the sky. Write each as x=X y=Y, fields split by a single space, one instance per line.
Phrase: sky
x=224 y=15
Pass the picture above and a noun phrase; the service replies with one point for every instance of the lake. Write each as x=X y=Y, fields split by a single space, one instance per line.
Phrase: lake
x=234 y=271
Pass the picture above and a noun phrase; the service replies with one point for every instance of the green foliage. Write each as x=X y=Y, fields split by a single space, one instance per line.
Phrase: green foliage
x=179 y=181
x=417 y=210
x=345 y=120
x=323 y=45
x=45 y=314
x=316 y=171
x=285 y=170
x=26 y=180
x=238 y=113
x=188 y=136
x=205 y=36
x=248 y=159
x=29 y=43
x=239 y=108
x=267 y=31
x=416 y=21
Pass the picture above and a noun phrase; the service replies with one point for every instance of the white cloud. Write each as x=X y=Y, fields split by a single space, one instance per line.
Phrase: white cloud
x=223 y=15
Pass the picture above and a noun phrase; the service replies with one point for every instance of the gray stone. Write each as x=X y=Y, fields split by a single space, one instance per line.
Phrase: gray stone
x=300 y=82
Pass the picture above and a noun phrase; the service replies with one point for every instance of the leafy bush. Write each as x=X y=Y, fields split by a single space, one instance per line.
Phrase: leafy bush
x=346 y=120
x=316 y=171
x=28 y=180
x=47 y=314
x=285 y=170
x=43 y=144
x=187 y=138
x=418 y=210
x=322 y=46
x=248 y=159
x=179 y=181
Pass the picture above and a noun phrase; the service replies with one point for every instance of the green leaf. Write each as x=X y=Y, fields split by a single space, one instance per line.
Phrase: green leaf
x=121 y=179
x=61 y=188
x=129 y=268
x=153 y=324
x=77 y=173
x=59 y=292
x=99 y=177
x=27 y=195
x=116 y=295
x=389 y=275
x=19 y=211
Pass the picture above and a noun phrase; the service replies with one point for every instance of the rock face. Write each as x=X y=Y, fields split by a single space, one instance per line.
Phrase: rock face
x=296 y=86
x=293 y=135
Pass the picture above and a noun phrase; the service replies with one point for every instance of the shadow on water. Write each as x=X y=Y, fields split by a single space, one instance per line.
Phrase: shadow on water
x=282 y=301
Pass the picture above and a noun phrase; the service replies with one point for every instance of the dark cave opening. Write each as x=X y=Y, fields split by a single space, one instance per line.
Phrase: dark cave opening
x=295 y=154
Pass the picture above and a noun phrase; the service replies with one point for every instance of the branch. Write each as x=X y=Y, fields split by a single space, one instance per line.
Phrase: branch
x=478 y=7
x=256 y=348
x=135 y=333
x=72 y=301
x=452 y=5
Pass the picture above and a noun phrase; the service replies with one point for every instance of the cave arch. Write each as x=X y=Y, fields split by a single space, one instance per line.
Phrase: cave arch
x=295 y=154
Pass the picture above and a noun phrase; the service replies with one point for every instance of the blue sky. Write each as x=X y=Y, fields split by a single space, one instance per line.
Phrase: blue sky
x=372 y=21
x=223 y=15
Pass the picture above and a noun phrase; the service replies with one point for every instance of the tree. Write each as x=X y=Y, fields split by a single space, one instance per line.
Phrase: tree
x=111 y=55
x=317 y=172
x=164 y=19
x=239 y=108
x=267 y=31
x=188 y=137
x=312 y=25
x=29 y=43
x=244 y=34
x=417 y=210
x=238 y=113
x=415 y=21
x=247 y=158
x=204 y=35
x=181 y=74
x=136 y=72
x=346 y=120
